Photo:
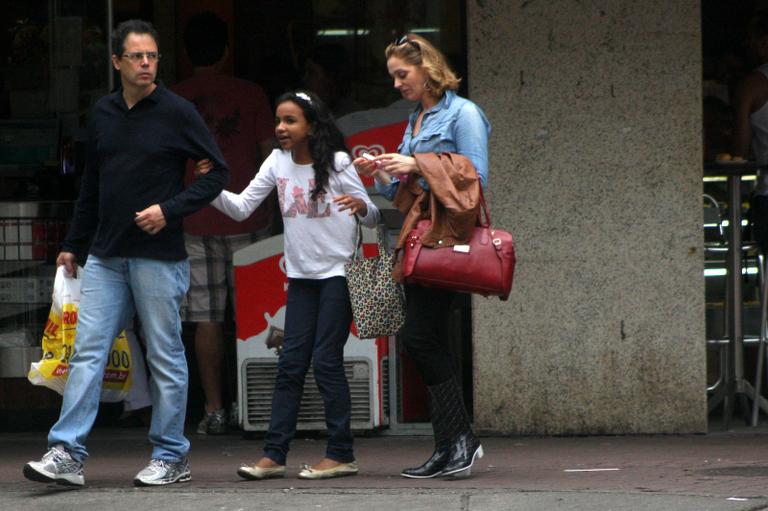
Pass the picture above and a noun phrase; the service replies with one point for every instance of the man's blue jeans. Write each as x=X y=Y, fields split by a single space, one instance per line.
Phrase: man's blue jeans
x=317 y=319
x=114 y=289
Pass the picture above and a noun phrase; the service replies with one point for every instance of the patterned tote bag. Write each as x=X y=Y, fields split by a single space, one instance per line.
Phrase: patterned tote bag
x=378 y=304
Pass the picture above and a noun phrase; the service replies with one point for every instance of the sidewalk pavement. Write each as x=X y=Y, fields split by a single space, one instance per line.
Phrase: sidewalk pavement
x=719 y=471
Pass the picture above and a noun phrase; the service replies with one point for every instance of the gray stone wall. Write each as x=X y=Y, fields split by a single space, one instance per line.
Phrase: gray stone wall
x=596 y=170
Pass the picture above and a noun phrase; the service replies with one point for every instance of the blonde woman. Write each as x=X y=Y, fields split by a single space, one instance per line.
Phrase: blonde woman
x=442 y=122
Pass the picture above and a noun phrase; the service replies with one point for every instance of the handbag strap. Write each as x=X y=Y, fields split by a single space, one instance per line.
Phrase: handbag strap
x=483 y=210
x=357 y=253
x=359 y=242
x=380 y=237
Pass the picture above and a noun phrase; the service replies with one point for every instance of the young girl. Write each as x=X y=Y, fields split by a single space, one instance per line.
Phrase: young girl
x=319 y=192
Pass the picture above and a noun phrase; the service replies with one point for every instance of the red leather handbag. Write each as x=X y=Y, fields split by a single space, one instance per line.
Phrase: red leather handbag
x=485 y=266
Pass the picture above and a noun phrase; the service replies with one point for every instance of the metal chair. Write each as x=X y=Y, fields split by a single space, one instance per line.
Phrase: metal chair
x=761 y=352
x=716 y=243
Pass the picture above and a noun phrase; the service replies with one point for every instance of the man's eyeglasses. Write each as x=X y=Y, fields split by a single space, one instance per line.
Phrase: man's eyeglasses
x=138 y=56
x=399 y=41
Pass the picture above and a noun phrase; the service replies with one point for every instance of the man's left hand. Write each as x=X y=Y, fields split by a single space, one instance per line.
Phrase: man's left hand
x=151 y=220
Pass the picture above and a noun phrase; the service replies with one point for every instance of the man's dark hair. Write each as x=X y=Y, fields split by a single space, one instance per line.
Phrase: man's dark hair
x=128 y=27
x=757 y=26
x=205 y=38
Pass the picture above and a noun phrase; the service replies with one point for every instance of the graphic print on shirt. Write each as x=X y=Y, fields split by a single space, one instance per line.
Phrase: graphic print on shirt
x=300 y=204
x=223 y=125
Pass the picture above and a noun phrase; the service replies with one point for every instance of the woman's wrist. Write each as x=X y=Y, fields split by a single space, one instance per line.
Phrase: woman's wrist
x=415 y=166
x=382 y=177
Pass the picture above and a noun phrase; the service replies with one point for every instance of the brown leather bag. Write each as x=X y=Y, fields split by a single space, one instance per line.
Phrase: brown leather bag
x=485 y=266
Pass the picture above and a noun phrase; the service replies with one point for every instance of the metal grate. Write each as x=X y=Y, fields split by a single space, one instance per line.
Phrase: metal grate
x=259 y=383
x=385 y=387
x=31 y=239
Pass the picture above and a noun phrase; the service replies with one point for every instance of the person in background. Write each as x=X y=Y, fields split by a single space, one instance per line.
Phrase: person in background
x=751 y=124
x=130 y=209
x=718 y=127
x=328 y=73
x=322 y=200
x=238 y=114
x=442 y=122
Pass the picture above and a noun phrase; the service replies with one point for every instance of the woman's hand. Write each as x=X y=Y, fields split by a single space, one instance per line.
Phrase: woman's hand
x=353 y=204
x=365 y=166
x=203 y=167
x=368 y=167
x=395 y=163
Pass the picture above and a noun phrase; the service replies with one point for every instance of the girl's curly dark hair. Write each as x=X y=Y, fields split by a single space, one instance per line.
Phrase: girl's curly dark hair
x=325 y=138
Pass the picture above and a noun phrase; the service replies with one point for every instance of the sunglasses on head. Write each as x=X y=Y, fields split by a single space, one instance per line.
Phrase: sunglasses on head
x=399 y=41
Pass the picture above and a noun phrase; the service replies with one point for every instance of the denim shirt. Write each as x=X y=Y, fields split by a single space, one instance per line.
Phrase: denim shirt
x=453 y=125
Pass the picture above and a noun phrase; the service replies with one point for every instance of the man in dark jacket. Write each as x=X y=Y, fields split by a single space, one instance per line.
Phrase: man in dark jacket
x=130 y=210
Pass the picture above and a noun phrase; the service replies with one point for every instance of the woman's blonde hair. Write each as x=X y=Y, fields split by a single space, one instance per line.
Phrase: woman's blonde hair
x=417 y=51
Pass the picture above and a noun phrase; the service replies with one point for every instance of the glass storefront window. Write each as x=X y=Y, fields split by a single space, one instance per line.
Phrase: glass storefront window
x=336 y=47
x=61 y=43
x=52 y=70
x=25 y=56
x=53 y=67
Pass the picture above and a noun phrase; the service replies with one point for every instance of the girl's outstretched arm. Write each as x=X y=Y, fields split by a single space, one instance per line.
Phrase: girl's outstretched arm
x=239 y=206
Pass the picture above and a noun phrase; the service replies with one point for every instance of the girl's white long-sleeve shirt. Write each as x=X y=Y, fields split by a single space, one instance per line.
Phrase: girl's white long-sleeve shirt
x=319 y=239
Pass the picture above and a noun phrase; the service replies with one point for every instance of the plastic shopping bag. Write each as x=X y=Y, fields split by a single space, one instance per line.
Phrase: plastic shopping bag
x=59 y=345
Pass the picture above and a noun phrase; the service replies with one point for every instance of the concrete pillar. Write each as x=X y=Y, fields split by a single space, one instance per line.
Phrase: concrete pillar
x=596 y=169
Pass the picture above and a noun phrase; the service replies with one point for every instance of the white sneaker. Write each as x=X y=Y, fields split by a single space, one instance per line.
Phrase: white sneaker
x=56 y=466
x=160 y=472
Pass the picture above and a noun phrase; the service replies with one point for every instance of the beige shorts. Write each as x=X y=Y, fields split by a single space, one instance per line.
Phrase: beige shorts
x=211 y=277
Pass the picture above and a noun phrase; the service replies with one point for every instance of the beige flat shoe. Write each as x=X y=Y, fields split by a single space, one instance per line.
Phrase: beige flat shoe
x=341 y=470
x=257 y=473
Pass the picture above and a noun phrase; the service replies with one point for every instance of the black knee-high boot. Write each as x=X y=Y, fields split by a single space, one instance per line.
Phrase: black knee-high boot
x=464 y=446
x=433 y=467
x=456 y=446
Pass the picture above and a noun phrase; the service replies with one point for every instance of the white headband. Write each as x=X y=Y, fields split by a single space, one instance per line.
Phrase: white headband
x=304 y=96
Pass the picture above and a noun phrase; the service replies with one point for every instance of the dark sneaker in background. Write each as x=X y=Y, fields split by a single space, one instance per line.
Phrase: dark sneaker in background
x=213 y=423
x=234 y=420
x=57 y=466
x=160 y=472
